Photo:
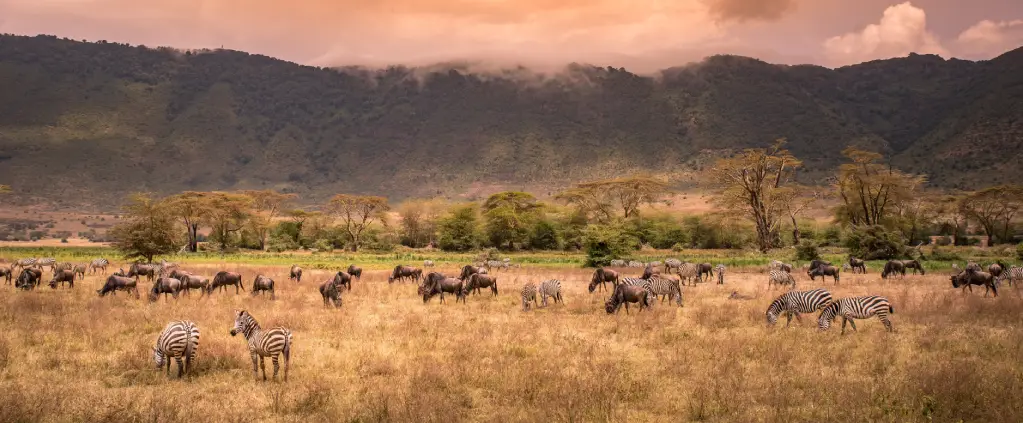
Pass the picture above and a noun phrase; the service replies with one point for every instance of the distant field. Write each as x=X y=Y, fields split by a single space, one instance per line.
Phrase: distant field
x=69 y=355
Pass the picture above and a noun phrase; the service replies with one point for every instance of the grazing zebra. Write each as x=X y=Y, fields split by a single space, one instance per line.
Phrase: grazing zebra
x=490 y=264
x=355 y=272
x=23 y=263
x=295 y=273
x=427 y=263
x=79 y=270
x=666 y=288
x=98 y=264
x=617 y=263
x=720 y=268
x=178 y=340
x=634 y=263
x=264 y=343
x=64 y=265
x=796 y=302
x=1013 y=274
x=672 y=263
x=780 y=277
x=856 y=308
x=689 y=271
x=550 y=288
x=46 y=262
x=263 y=284
x=529 y=294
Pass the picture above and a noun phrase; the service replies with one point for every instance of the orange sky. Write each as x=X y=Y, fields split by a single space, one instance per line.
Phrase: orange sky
x=642 y=35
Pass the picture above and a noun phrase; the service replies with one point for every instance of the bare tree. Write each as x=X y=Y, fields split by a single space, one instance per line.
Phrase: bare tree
x=357 y=212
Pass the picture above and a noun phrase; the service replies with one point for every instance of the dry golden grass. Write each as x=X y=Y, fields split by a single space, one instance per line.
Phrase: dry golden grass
x=68 y=355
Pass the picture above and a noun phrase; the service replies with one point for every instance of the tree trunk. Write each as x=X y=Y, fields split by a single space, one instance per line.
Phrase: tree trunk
x=795 y=231
x=193 y=238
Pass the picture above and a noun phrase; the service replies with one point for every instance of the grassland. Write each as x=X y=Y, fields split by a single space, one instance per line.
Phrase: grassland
x=68 y=355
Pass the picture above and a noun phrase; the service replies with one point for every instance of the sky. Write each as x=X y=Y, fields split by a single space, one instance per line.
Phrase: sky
x=640 y=35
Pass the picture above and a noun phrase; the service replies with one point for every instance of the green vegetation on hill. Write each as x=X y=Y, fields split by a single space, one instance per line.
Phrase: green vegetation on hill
x=85 y=123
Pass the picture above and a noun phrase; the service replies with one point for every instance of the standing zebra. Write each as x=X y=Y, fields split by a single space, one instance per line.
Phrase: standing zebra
x=23 y=263
x=98 y=264
x=528 y=294
x=780 y=277
x=667 y=289
x=688 y=271
x=796 y=302
x=1013 y=274
x=671 y=263
x=46 y=262
x=720 y=268
x=263 y=343
x=550 y=288
x=856 y=308
x=178 y=340
x=617 y=263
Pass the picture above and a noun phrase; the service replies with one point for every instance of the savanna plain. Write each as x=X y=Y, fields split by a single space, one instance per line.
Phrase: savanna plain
x=70 y=355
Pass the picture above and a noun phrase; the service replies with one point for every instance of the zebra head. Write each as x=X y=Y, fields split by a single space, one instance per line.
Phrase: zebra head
x=827 y=316
x=158 y=357
x=242 y=323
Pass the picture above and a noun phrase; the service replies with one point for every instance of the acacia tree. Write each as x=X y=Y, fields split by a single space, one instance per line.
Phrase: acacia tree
x=266 y=205
x=870 y=190
x=190 y=208
x=418 y=219
x=226 y=214
x=993 y=209
x=601 y=198
x=947 y=213
x=800 y=199
x=357 y=212
x=508 y=216
x=146 y=230
x=753 y=184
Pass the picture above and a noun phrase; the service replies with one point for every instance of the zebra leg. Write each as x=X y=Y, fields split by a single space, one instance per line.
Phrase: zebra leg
x=255 y=366
x=168 y=365
x=181 y=367
x=277 y=365
x=788 y=315
x=852 y=322
x=887 y=323
x=262 y=366
x=844 y=320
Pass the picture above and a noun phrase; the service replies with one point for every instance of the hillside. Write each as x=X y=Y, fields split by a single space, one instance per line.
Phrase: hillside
x=84 y=123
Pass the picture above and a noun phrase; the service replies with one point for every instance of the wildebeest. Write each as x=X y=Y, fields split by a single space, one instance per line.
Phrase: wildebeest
x=263 y=284
x=625 y=294
x=968 y=279
x=467 y=272
x=119 y=283
x=856 y=263
x=225 y=278
x=190 y=282
x=995 y=269
x=477 y=282
x=138 y=269
x=7 y=273
x=436 y=283
x=79 y=270
x=63 y=276
x=704 y=269
x=343 y=279
x=401 y=272
x=601 y=277
x=892 y=267
x=649 y=271
x=816 y=263
x=29 y=278
x=295 y=273
x=823 y=270
x=164 y=285
x=331 y=293
x=915 y=265
x=355 y=272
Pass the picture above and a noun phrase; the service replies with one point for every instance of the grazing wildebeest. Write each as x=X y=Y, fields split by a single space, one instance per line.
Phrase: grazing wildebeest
x=816 y=263
x=29 y=278
x=63 y=276
x=225 y=278
x=601 y=277
x=915 y=265
x=331 y=293
x=467 y=272
x=436 y=283
x=295 y=273
x=822 y=271
x=7 y=273
x=704 y=269
x=856 y=263
x=117 y=282
x=401 y=272
x=968 y=279
x=478 y=281
x=164 y=285
x=343 y=279
x=355 y=272
x=138 y=269
x=892 y=267
x=263 y=284
x=190 y=282
x=625 y=294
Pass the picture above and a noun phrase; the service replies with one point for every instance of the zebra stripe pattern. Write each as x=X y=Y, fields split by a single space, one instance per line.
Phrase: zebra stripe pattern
x=528 y=294
x=23 y=263
x=688 y=271
x=667 y=289
x=97 y=264
x=491 y=264
x=721 y=273
x=617 y=263
x=780 y=277
x=645 y=283
x=1014 y=274
x=672 y=263
x=856 y=308
x=178 y=340
x=550 y=288
x=796 y=302
x=264 y=343
x=46 y=262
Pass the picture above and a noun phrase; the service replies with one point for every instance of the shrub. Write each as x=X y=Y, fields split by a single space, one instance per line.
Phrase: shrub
x=807 y=250
x=1019 y=251
x=323 y=245
x=677 y=248
x=606 y=243
x=460 y=230
x=544 y=236
x=944 y=254
x=875 y=243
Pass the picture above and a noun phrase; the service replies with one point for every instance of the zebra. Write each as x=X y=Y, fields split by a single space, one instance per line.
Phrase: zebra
x=671 y=263
x=490 y=264
x=856 y=308
x=263 y=343
x=79 y=269
x=720 y=269
x=617 y=263
x=846 y=267
x=427 y=263
x=550 y=288
x=780 y=277
x=46 y=262
x=64 y=265
x=97 y=264
x=1013 y=273
x=667 y=289
x=529 y=294
x=796 y=302
x=688 y=271
x=23 y=263
x=178 y=340
x=634 y=263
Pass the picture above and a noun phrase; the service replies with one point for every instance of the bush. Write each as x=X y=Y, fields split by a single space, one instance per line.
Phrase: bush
x=944 y=254
x=1019 y=251
x=544 y=236
x=460 y=230
x=677 y=248
x=323 y=245
x=875 y=243
x=807 y=250
x=606 y=243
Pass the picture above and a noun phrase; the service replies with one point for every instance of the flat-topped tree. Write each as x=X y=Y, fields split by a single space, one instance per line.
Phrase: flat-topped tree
x=147 y=229
x=356 y=213
x=227 y=214
x=190 y=207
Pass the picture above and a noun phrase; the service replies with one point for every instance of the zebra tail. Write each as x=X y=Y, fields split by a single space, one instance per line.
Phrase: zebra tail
x=287 y=348
x=891 y=310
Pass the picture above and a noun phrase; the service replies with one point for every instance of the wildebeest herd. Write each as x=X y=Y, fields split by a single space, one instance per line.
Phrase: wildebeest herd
x=664 y=279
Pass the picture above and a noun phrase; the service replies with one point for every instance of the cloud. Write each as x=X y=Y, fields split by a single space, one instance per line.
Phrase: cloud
x=902 y=30
x=988 y=38
x=744 y=10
